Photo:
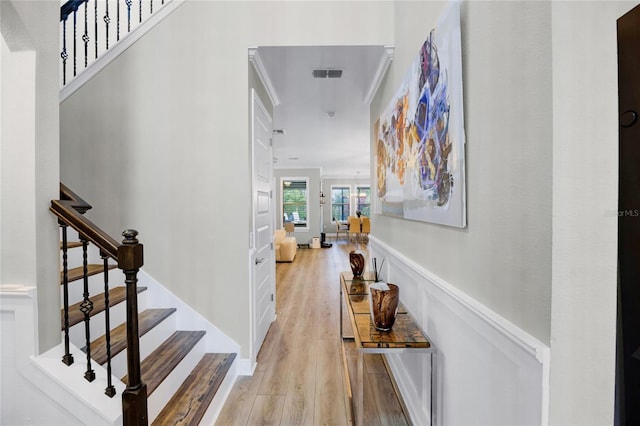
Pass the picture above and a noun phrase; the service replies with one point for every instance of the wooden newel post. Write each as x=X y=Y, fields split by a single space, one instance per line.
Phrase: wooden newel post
x=134 y=397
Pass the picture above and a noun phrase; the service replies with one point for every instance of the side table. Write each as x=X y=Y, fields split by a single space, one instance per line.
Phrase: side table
x=405 y=336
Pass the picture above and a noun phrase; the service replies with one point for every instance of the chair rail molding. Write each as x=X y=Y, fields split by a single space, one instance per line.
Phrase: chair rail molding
x=514 y=363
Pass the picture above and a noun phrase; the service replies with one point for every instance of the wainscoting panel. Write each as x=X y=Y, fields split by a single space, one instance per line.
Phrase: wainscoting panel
x=487 y=371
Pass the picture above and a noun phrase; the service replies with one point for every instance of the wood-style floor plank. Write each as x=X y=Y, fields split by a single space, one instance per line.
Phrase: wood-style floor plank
x=278 y=366
x=267 y=410
x=237 y=408
x=330 y=399
x=386 y=403
x=299 y=379
x=299 y=404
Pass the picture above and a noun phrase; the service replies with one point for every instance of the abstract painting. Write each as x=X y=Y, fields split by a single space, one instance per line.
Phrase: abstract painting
x=419 y=138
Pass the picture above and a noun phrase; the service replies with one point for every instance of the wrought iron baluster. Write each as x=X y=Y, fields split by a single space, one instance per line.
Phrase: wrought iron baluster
x=86 y=307
x=151 y=6
x=95 y=25
x=85 y=36
x=64 y=55
x=110 y=390
x=128 y=3
x=75 y=38
x=118 y=20
x=106 y=20
x=67 y=357
x=140 y=11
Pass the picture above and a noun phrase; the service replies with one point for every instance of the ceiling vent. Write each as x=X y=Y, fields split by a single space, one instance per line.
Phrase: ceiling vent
x=327 y=73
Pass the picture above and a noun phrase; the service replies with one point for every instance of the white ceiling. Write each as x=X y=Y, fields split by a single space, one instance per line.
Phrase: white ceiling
x=339 y=145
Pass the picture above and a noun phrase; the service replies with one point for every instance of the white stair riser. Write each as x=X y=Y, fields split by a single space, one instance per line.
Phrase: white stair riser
x=170 y=385
x=148 y=343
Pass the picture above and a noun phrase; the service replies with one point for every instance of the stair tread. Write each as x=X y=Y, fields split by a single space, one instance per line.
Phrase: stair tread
x=190 y=402
x=146 y=321
x=161 y=362
x=116 y=295
x=75 y=274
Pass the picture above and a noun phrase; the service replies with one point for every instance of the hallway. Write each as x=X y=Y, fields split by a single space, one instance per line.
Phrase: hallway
x=299 y=377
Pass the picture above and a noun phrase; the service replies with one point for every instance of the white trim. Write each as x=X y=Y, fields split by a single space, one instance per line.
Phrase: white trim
x=383 y=66
x=245 y=366
x=415 y=407
x=123 y=44
x=258 y=65
x=536 y=351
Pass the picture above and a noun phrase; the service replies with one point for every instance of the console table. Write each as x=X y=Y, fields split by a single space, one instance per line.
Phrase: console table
x=405 y=335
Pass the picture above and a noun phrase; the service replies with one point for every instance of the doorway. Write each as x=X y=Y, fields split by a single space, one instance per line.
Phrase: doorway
x=628 y=336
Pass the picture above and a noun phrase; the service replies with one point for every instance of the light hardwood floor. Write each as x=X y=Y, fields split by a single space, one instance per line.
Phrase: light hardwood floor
x=299 y=378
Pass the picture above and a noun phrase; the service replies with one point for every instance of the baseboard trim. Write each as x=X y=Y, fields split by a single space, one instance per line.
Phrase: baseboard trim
x=245 y=367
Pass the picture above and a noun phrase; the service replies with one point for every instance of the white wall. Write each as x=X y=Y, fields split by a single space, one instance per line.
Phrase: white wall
x=500 y=263
x=539 y=81
x=17 y=154
x=30 y=167
x=503 y=258
x=585 y=189
x=159 y=140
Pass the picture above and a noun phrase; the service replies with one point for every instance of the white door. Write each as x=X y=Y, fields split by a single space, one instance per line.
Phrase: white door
x=263 y=259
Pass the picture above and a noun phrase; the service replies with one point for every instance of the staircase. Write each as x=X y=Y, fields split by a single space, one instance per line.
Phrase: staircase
x=180 y=375
x=126 y=333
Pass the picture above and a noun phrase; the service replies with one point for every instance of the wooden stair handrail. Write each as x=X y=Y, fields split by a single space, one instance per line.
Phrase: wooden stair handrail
x=129 y=254
x=70 y=209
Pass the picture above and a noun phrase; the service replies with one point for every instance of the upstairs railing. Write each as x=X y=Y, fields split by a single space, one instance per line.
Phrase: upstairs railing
x=70 y=209
x=89 y=28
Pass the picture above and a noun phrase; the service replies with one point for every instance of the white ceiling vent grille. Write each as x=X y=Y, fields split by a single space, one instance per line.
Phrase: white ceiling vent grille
x=327 y=73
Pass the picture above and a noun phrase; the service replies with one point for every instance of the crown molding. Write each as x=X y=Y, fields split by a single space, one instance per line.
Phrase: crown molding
x=258 y=65
x=383 y=66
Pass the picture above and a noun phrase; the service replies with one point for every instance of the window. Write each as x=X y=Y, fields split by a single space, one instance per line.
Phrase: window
x=340 y=202
x=364 y=200
x=295 y=201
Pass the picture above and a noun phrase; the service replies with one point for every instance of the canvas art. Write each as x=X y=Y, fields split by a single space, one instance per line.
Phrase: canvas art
x=419 y=138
